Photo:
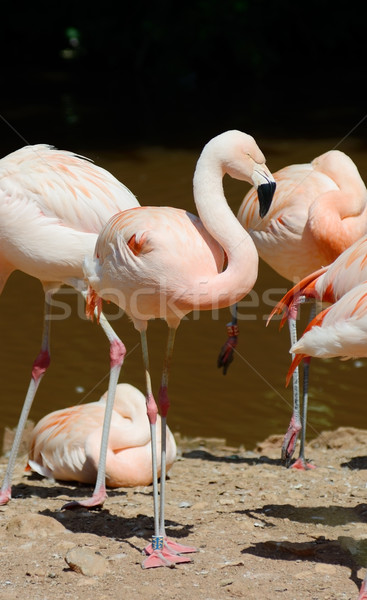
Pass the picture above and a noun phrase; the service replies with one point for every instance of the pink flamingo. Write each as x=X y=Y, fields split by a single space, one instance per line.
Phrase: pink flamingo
x=339 y=330
x=328 y=284
x=66 y=443
x=162 y=262
x=52 y=206
x=319 y=210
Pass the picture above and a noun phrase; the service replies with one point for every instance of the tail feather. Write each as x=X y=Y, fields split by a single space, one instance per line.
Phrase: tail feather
x=295 y=362
x=316 y=322
x=305 y=287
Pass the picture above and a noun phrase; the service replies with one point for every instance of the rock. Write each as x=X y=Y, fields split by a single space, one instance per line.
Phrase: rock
x=86 y=561
x=34 y=526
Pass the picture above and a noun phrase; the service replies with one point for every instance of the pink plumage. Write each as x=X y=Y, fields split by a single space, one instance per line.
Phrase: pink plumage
x=65 y=444
x=53 y=204
x=319 y=210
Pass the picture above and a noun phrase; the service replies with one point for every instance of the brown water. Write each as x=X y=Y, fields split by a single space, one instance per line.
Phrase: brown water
x=251 y=401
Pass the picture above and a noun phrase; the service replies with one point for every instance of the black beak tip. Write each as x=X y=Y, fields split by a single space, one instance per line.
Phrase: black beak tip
x=265 y=193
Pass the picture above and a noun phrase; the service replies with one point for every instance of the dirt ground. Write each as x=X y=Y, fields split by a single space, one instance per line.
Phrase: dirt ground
x=261 y=530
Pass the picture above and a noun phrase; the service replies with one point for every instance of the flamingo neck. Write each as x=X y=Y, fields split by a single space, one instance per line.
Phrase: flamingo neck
x=240 y=275
x=336 y=221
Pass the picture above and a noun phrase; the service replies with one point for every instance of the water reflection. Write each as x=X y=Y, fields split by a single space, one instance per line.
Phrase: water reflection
x=244 y=406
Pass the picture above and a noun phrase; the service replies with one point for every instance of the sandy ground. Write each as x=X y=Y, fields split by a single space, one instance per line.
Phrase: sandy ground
x=262 y=531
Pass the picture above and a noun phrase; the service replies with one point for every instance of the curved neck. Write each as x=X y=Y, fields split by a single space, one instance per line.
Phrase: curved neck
x=237 y=280
x=337 y=220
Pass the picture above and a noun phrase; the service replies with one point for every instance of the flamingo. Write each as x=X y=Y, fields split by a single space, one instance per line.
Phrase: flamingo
x=53 y=204
x=328 y=284
x=65 y=444
x=162 y=262
x=338 y=331
x=319 y=210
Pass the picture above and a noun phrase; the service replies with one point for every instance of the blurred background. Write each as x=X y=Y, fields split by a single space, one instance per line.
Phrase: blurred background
x=95 y=73
x=140 y=88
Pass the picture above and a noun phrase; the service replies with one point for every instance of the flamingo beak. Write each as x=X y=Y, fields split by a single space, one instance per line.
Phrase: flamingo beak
x=265 y=193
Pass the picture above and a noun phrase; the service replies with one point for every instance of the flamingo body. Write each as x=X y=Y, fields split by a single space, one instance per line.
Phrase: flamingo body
x=319 y=210
x=65 y=444
x=146 y=250
x=340 y=330
x=52 y=206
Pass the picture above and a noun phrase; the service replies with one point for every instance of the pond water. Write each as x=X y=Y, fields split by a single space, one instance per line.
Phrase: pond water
x=251 y=401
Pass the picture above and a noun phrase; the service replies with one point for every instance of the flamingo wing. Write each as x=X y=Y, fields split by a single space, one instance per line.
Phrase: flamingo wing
x=64 y=186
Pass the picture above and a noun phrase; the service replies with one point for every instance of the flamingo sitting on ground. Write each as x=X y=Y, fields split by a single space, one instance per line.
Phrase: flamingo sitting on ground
x=319 y=210
x=66 y=443
x=53 y=204
x=165 y=262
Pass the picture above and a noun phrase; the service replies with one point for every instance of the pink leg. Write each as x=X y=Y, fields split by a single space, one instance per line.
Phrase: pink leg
x=117 y=355
x=163 y=551
x=363 y=590
x=40 y=366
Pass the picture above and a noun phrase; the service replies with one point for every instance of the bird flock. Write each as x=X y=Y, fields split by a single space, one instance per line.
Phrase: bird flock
x=66 y=221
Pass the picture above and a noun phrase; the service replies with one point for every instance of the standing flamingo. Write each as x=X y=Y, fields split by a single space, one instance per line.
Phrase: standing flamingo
x=319 y=210
x=66 y=443
x=52 y=206
x=164 y=262
x=328 y=284
x=339 y=330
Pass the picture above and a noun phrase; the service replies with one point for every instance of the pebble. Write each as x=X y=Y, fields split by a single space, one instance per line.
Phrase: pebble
x=86 y=561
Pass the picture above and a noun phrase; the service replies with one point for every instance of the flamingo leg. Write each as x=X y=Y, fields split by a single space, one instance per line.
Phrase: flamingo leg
x=301 y=462
x=117 y=355
x=39 y=368
x=295 y=425
x=161 y=552
x=226 y=353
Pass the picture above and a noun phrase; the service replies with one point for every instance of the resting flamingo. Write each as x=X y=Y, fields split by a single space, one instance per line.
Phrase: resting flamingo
x=53 y=204
x=65 y=444
x=165 y=262
x=319 y=210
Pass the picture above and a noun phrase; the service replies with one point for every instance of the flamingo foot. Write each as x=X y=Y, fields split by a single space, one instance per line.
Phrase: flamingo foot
x=290 y=440
x=161 y=553
x=173 y=547
x=5 y=496
x=96 y=500
x=163 y=558
x=302 y=465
